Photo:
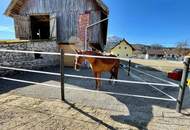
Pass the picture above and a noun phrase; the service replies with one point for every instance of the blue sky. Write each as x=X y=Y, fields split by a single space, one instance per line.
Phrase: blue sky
x=150 y=21
x=139 y=21
x=6 y=23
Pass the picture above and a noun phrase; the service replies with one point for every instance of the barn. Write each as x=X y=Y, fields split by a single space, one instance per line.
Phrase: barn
x=63 y=20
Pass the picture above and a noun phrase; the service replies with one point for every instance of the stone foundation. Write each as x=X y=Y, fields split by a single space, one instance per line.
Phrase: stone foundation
x=28 y=61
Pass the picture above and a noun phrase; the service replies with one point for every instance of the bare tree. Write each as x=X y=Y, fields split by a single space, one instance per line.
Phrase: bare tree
x=156 y=46
x=182 y=45
x=182 y=48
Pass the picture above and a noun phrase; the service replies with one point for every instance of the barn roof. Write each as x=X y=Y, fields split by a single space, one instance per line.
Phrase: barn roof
x=16 y=5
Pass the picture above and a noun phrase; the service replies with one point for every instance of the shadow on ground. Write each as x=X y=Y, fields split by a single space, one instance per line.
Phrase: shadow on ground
x=140 y=110
x=6 y=86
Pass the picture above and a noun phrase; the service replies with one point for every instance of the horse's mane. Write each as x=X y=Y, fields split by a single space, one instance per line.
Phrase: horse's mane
x=92 y=53
x=98 y=53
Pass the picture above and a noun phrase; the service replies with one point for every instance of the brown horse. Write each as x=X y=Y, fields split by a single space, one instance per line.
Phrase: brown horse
x=98 y=65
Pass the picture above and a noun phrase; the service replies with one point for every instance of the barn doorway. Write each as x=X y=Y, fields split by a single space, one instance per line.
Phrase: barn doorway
x=40 y=26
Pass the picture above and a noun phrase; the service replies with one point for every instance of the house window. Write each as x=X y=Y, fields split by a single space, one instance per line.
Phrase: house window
x=127 y=55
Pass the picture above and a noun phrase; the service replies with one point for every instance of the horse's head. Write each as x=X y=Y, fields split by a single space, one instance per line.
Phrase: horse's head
x=78 y=60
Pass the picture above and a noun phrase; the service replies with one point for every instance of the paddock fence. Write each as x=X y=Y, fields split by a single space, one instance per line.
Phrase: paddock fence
x=62 y=76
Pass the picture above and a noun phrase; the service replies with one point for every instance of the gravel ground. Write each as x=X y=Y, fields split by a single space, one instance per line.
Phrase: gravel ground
x=131 y=112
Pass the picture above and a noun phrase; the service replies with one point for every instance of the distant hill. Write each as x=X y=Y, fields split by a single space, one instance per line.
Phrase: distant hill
x=141 y=46
x=114 y=39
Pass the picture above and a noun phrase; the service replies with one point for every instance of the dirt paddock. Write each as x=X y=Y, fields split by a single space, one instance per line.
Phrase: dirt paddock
x=120 y=112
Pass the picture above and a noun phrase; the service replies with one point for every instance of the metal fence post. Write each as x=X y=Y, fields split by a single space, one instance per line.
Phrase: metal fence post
x=183 y=84
x=62 y=75
x=129 y=67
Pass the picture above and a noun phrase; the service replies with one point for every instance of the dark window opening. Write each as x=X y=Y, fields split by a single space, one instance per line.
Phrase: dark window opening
x=40 y=26
x=104 y=26
x=38 y=56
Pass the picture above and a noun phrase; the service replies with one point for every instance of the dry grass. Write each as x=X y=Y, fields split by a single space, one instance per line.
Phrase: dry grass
x=162 y=65
x=12 y=41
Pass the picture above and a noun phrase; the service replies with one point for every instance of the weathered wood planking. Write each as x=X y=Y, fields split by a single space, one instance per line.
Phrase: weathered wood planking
x=67 y=14
x=22 y=27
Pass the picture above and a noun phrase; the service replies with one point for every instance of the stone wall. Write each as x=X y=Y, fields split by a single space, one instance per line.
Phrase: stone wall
x=28 y=61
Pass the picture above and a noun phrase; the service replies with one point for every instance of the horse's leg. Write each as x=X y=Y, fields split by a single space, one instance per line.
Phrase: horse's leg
x=112 y=76
x=98 y=81
x=111 y=72
x=113 y=82
x=96 y=76
x=116 y=70
x=115 y=73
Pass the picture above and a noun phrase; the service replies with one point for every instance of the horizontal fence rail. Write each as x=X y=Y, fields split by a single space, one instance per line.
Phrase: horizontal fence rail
x=62 y=54
x=92 y=78
x=126 y=81
x=94 y=91
x=87 y=77
x=121 y=81
x=174 y=84
x=32 y=71
x=58 y=54
x=30 y=52
x=101 y=57
x=69 y=54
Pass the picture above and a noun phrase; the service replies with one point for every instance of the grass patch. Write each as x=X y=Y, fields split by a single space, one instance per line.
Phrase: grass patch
x=12 y=41
x=160 y=65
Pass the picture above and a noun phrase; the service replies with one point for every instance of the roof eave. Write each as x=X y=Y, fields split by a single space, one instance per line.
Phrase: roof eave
x=8 y=10
x=103 y=6
x=13 y=2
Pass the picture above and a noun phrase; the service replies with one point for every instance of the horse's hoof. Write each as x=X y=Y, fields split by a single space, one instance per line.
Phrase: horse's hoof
x=113 y=83
x=97 y=89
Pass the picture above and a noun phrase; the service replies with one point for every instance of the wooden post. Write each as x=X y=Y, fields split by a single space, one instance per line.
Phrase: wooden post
x=129 y=67
x=62 y=75
x=183 y=85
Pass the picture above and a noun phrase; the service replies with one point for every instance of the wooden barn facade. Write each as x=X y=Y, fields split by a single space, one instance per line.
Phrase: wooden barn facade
x=63 y=20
